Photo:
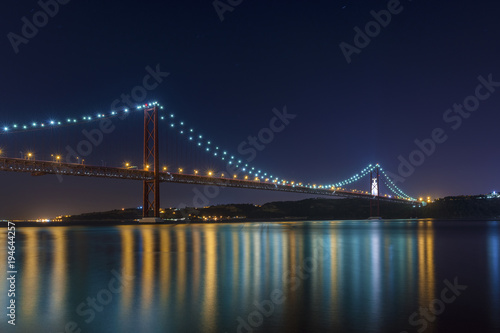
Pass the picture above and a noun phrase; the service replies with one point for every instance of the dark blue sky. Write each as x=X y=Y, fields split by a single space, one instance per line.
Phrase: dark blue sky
x=227 y=76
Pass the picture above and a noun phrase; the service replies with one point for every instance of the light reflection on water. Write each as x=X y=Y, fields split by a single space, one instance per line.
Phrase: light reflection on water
x=494 y=268
x=354 y=276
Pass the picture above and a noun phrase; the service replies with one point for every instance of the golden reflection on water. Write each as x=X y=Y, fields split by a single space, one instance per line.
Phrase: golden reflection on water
x=197 y=251
x=59 y=271
x=148 y=269
x=128 y=267
x=181 y=266
x=210 y=291
x=30 y=277
x=426 y=282
x=165 y=253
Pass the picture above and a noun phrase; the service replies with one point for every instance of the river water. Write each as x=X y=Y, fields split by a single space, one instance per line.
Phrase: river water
x=313 y=276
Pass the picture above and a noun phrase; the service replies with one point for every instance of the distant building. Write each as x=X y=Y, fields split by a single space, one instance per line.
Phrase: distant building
x=493 y=195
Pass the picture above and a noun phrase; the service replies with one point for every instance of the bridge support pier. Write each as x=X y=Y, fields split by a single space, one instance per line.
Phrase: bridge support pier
x=151 y=187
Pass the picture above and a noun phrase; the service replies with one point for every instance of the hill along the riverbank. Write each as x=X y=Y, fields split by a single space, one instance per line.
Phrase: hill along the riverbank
x=463 y=207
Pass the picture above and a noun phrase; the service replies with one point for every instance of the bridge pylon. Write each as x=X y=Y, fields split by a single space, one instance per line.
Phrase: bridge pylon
x=151 y=187
x=375 y=191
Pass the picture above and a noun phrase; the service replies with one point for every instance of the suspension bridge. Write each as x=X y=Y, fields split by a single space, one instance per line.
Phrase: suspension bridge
x=238 y=174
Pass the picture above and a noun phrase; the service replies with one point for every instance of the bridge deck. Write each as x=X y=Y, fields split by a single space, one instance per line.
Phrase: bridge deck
x=38 y=168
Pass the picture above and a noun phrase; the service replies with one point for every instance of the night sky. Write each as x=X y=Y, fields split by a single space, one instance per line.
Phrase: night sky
x=356 y=99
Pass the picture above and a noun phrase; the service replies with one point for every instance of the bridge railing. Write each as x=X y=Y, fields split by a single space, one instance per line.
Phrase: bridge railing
x=39 y=168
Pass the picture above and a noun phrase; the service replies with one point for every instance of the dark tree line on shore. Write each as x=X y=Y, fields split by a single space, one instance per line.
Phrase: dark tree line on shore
x=342 y=209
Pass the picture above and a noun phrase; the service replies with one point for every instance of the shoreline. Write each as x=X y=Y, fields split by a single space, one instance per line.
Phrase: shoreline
x=107 y=223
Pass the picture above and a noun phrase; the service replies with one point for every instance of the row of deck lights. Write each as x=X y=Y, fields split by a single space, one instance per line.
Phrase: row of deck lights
x=257 y=179
x=30 y=156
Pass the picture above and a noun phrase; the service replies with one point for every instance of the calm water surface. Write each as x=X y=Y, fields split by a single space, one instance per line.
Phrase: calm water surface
x=327 y=276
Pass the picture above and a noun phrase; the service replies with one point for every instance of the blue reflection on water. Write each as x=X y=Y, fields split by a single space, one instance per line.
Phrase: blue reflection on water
x=494 y=266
